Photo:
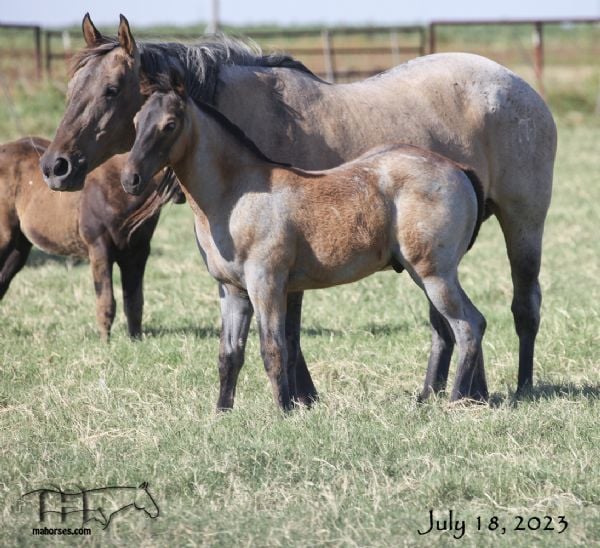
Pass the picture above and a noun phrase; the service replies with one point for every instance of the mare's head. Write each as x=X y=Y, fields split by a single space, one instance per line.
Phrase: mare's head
x=160 y=134
x=103 y=97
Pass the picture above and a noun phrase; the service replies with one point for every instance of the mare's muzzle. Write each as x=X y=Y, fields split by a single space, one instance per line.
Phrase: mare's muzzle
x=63 y=172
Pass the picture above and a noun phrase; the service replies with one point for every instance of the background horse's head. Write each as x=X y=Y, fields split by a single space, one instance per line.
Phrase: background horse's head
x=159 y=128
x=102 y=99
x=144 y=501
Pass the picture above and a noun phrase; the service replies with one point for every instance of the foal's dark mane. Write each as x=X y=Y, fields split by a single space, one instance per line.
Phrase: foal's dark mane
x=197 y=63
x=236 y=132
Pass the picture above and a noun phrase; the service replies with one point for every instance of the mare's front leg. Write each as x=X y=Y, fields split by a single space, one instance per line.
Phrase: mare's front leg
x=132 y=263
x=268 y=294
x=101 y=260
x=236 y=314
x=468 y=327
x=442 y=345
x=301 y=384
x=13 y=255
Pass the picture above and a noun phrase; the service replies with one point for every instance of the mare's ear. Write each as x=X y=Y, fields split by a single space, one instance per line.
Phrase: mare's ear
x=177 y=84
x=126 y=40
x=91 y=34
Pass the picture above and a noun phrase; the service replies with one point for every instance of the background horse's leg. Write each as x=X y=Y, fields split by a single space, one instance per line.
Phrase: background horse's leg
x=236 y=315
x=524 y=248
x=269 y=298
x=302 y=387
x=442 y=345
x=468 y=326
x=102 y=263
x=13 y=255
x=132 y=263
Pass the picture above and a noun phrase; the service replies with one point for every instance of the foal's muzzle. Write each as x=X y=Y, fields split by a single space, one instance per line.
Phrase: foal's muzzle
x=62 y=172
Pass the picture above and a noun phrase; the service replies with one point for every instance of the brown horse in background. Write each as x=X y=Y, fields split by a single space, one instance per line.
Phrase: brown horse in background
x=101 y=223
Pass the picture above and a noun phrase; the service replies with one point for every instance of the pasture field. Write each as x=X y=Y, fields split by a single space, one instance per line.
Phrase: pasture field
x=366 y=465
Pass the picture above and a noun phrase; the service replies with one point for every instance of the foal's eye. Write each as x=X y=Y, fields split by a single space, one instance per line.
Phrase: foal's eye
x=170 y=126
x=111 y=91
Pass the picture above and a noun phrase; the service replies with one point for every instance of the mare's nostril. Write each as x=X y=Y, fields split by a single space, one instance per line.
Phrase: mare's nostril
x=61 y=167
x=136 y=180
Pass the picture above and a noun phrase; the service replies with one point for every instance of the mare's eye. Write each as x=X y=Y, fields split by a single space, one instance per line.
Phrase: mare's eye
x=170 y=126
x=111 y=91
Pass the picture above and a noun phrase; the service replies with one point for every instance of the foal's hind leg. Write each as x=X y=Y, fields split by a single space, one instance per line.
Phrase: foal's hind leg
x=102 y=263
x=133 y=264
x=302 y=387
x=468 y=326
x=442 y=345
x=236 y=314
x=13 y=255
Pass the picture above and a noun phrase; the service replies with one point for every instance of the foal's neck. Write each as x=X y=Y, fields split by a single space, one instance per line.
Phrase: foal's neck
x=218 y=165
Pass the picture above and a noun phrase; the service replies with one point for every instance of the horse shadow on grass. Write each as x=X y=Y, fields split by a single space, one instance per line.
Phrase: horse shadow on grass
x=546 y=391
x=38 y=258
x=197 y=331
x=202 y=332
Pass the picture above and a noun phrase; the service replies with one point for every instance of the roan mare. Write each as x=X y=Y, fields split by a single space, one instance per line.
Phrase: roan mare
x=266 y=229
x=101 y=223
x=463 y=106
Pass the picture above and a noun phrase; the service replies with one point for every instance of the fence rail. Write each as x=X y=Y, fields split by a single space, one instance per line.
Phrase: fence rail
x=538 y=41
x=37 y=42
x=327 y=49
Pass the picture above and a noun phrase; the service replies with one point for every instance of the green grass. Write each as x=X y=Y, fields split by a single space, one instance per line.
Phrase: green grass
x=365 y=466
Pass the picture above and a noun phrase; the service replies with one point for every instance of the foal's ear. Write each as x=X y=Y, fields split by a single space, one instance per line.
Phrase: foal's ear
x=176 y=81
x=91 y=34
x=126 y=40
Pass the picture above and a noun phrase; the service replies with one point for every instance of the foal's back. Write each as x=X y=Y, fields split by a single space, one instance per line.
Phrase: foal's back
x=393 y=204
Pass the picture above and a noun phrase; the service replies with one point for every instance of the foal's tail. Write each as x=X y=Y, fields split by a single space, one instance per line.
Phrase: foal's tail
x=478 y=189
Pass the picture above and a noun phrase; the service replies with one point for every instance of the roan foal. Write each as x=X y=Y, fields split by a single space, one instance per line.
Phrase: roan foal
x=268 y=229
x=101 y=222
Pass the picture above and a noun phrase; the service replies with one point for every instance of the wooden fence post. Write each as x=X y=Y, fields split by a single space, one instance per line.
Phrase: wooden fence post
x=328 y=54
x=538 y=44
x=37 y=33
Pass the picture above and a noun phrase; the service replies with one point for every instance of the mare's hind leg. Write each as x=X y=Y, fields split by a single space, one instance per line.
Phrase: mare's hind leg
x=302 y=387
x=13 y=256
x=442 y=345
x=524 y=247
x=236 y=315
x=468 y=326
x=101 y=261
x=132 y=263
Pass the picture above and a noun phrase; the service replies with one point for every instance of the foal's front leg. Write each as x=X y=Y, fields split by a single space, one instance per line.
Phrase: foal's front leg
x=268 y=295
x=236 y=314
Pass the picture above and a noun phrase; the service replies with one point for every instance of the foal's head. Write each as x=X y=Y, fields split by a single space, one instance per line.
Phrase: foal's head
x=160 y=135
